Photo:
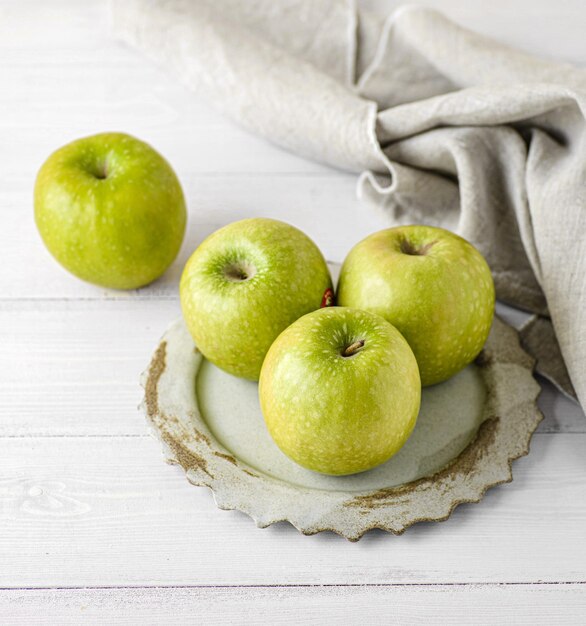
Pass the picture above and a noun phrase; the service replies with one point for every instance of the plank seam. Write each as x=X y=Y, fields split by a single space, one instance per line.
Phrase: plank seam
x=539 y=583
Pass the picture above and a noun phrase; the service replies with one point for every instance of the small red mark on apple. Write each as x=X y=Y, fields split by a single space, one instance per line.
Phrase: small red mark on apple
x=328 y=298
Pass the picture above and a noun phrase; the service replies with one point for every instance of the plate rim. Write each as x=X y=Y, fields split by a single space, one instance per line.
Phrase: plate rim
x=187 y=441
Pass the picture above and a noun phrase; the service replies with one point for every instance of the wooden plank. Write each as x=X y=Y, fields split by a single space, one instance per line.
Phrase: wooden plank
x=72 y=368
x=323 y=207
x=69 y=77
x=479 y=604
x=193 y=142
x=107 y=512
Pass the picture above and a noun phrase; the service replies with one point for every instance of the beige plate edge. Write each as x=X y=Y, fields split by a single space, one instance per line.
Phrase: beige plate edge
x=510 y=418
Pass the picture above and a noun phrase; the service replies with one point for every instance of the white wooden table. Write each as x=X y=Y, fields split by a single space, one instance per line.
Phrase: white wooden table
x=93 y=525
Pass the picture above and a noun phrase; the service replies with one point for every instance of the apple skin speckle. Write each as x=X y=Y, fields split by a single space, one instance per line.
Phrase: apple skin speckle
x=334 y=414
x=441 y=301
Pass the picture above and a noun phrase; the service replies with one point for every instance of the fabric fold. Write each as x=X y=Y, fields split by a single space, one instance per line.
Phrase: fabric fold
x=445 y=127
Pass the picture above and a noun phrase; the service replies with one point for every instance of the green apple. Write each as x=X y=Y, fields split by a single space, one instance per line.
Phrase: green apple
x=340 y=391
x=244 y=285
x=434 y=286
x=110 y=210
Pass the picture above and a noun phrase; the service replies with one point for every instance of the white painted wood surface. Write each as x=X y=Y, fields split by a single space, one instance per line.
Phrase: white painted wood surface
x=96 y=511
x=94 y=528
x=408 y=605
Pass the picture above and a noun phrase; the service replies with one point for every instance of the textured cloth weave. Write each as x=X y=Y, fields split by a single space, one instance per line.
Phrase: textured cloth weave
x=444 y=126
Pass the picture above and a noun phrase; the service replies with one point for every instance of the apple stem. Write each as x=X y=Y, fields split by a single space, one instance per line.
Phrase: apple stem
x=353 y=348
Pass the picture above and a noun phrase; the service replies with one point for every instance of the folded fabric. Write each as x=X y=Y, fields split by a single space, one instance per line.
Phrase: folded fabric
x=445 y=126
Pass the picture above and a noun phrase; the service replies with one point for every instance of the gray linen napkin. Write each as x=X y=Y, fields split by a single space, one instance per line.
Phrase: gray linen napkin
x=445 y=126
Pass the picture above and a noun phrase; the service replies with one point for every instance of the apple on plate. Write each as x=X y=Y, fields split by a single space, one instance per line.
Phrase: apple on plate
x=434 y=286
x=340 y=391
x=245 y=284
x=110 y=210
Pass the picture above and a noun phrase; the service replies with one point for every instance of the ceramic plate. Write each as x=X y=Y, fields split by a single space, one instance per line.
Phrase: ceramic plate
x=469 y=431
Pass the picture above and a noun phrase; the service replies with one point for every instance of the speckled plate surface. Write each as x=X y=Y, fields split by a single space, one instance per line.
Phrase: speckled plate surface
x=469 y=431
